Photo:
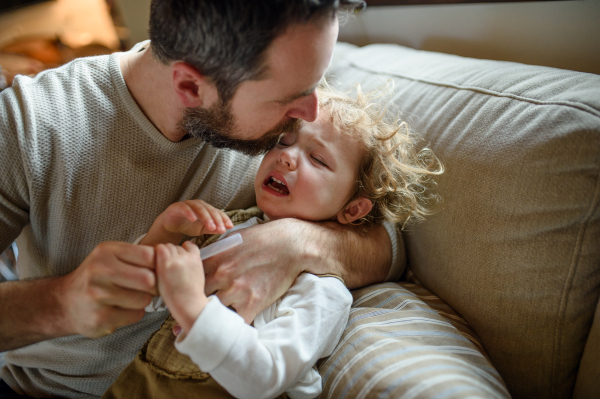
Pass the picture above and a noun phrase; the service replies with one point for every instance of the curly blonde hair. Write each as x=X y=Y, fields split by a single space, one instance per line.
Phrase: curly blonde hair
x=396 y=174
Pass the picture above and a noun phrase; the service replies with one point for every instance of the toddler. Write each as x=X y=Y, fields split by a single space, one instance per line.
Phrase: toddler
x=354 y=164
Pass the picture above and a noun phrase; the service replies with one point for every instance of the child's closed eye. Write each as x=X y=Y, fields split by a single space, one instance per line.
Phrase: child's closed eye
x=319 y=161
x=284 y=140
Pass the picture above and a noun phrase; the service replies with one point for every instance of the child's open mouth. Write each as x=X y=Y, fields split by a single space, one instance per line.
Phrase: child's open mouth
x=277 y=185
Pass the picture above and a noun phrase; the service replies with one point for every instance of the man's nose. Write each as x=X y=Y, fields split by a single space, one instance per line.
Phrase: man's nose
x=306 y=108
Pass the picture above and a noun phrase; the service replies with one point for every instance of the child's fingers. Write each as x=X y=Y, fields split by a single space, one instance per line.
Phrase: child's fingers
x=190 y=214
x=226 y=220
x=210 y=216
x=221 y=219
x=221 y=216
x=177 y=330
x=162 y=254
x=185 y=210
x=191 y=248
x=201 y=210
x=207 y=218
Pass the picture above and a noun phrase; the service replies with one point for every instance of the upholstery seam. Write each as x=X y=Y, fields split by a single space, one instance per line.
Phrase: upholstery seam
x=579 y=106
x=569 y=281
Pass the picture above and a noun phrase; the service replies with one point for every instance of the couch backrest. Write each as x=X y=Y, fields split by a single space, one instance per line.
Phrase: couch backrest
x=516 y=248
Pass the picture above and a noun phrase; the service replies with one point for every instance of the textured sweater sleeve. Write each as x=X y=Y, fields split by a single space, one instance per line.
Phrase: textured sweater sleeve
x=301 y=327
x=14 y=193
x=398 y=253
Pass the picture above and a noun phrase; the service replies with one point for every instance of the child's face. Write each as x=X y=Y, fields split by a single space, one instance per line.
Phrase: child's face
x=318 y=167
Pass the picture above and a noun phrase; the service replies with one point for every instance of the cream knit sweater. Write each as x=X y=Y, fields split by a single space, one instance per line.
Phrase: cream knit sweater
x=81 y=164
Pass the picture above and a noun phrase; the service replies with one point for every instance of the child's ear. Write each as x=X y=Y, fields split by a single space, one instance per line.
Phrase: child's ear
x=355 y=210
x=192 y=87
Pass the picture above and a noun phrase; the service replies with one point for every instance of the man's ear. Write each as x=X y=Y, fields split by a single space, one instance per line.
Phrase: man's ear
x=192 y=88
x=355 y=210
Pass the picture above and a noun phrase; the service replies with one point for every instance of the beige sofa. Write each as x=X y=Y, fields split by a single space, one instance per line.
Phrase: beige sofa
x=514 y=253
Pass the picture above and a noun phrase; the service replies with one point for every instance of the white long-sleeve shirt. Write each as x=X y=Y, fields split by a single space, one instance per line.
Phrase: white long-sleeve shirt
x=279 y=352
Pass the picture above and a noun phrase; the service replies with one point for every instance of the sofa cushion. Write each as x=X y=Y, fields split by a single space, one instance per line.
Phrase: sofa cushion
x=403 y=342
x=587 y=385
x=515 y=248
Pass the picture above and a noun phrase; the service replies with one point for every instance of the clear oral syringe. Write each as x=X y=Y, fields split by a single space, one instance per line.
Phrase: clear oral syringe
x=213 y=249
x=221 y=246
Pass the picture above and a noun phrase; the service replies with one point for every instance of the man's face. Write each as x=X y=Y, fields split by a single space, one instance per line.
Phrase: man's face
x=263 y=109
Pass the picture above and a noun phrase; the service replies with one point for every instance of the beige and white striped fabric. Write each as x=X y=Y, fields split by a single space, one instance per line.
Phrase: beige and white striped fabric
x=402 y=341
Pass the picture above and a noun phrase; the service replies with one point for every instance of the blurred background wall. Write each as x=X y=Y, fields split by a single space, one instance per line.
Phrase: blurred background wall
x=561 y=34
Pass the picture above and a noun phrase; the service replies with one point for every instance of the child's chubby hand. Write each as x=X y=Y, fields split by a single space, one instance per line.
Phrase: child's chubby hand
x=181 y=281
x=192 y=218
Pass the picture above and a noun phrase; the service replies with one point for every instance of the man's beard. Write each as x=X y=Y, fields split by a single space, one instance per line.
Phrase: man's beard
x=216 y=126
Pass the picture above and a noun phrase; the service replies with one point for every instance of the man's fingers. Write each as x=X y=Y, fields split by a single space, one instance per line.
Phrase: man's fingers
x=210 y=265
x=120 y=317
x=136 y=255
x=247 y=313
x=228 y=297
x=126 y=299
x=106 y=320
x=246 y=303
x=212 y=282
x=134 y=278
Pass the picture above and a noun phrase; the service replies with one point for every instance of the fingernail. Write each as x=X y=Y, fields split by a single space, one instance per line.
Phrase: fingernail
x=177 y=330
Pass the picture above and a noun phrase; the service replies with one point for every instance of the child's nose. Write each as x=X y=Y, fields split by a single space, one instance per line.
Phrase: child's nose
x=289 y=158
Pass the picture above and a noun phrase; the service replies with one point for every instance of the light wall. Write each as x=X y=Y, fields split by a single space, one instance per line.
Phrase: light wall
x=561 y=34
x=76 y=22
x=136 y=14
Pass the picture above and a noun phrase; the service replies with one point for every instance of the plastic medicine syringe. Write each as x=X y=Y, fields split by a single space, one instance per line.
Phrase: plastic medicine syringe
x=213 y=249
x=221 y=246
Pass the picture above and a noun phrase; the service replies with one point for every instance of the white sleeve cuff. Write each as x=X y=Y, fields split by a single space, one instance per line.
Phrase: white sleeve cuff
x=212 y=336
x=398 y=254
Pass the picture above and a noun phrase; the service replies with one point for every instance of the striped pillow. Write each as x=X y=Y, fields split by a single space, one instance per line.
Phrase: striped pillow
x=402 y=341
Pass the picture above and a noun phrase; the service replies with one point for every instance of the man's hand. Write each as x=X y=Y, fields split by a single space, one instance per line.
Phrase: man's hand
x=110 y=289
x=253 y=275
x=192 y=218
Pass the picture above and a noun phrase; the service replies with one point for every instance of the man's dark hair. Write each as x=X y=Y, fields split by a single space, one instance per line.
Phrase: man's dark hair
x=226 y=40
